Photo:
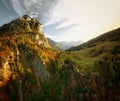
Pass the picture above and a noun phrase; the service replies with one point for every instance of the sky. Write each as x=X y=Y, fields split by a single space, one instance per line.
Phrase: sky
x=66 y=20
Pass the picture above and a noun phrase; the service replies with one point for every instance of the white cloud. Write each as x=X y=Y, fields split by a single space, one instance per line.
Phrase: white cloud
x=34 y=14
x=69 y=22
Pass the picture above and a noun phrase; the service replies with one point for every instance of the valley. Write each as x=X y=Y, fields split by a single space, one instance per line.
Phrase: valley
x=31 y=69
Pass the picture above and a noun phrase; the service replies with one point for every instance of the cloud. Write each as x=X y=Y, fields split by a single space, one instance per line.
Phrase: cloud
x=73 y=21
x=50 y=36
x=34 y=14
x=91 y=18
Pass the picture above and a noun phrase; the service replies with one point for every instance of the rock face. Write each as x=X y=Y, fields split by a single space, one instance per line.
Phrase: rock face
x=26 y=25
x=28 y=58
x=24 y=55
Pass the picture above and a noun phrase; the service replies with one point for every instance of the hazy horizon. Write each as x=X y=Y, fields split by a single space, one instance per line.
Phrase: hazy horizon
x=66 y=20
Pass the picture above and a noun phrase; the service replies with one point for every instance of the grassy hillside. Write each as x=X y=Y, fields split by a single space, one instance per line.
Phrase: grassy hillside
x=85 y=74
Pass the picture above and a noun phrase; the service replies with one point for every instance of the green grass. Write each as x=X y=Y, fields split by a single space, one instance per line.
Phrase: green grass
x=79 y=58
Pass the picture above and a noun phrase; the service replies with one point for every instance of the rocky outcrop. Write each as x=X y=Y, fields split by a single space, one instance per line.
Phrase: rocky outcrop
x=24 y=23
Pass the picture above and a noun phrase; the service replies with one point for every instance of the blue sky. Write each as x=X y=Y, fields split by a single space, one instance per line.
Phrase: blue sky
x=66 y=20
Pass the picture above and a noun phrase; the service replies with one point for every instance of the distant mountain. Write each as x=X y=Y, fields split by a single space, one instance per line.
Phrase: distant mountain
x=70 y=44
x=55 y=45
x=63 y=45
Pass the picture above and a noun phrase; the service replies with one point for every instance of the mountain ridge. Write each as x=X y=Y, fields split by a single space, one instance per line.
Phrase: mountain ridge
x=112 y=36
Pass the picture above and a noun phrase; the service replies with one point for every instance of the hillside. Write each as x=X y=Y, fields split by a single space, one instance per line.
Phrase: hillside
x=111 y=36
x=94 y=68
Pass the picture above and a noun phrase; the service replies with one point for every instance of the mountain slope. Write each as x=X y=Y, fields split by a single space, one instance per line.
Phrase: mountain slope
x=92 y=69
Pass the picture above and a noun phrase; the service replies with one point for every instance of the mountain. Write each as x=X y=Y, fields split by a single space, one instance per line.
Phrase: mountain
x=24 y=56
x=70 y=44
x=55 y=45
